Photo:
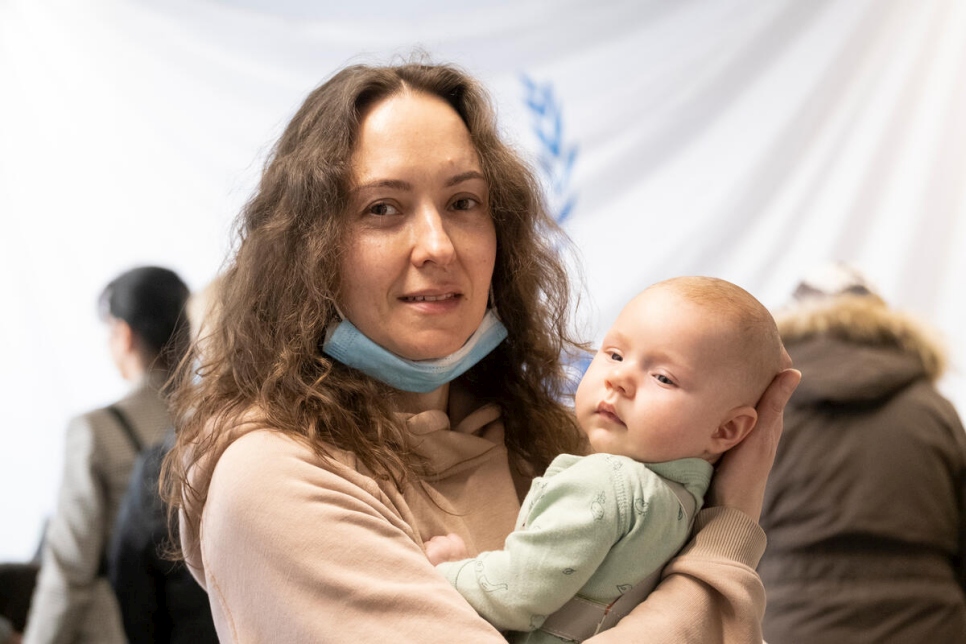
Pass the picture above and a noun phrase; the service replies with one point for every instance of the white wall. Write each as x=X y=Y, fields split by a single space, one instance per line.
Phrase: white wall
x=748 y=139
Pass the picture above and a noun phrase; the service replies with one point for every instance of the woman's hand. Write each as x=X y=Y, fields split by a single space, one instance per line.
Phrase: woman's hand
x=449 y=547
x=742 y=472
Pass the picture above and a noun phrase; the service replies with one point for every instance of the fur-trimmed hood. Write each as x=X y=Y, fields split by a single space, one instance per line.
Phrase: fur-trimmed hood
x=852 y=348
x=867 y=321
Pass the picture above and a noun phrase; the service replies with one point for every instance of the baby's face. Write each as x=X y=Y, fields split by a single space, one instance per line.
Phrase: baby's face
x=662 y=382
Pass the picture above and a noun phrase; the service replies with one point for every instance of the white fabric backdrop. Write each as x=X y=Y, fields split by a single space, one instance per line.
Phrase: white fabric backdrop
x=747 y=139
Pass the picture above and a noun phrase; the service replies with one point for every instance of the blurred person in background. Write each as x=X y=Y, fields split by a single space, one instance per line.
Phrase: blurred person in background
x=8 y=634
x=864 y=509
x=73 y=601
x=17 y=582
x=160 y=602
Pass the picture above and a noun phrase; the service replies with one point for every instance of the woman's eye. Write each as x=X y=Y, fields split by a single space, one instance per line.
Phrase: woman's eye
x=664 y=380
x=465 y=203
x=382 y=209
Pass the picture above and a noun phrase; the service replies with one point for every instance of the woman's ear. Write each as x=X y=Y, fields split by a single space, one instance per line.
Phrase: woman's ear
x=738 y=424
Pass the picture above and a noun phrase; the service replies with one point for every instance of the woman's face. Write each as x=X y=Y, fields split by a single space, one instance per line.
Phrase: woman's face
x=421 y=243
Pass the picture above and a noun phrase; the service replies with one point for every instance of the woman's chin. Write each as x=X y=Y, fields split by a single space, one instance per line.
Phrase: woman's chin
x=431 y=346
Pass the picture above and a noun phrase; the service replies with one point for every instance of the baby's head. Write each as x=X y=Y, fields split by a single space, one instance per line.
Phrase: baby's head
x=680 y=372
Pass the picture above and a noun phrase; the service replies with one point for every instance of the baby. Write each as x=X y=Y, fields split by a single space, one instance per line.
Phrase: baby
x=674 y=386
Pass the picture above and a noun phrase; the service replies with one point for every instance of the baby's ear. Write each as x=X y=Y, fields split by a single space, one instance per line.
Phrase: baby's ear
x=738 y=424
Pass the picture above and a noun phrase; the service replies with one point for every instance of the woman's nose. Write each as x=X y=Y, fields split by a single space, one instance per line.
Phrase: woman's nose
x=432 y=242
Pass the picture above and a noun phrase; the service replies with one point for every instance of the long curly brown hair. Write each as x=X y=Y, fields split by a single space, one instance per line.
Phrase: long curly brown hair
x=261 y=361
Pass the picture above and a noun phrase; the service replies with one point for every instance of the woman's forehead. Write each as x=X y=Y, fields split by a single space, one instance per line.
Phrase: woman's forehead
x=408 y=133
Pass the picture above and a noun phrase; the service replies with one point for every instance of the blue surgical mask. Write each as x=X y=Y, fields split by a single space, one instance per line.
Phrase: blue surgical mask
x=344 y=342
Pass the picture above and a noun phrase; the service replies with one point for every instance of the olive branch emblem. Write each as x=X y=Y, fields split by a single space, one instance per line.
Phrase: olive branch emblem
x=555 y=157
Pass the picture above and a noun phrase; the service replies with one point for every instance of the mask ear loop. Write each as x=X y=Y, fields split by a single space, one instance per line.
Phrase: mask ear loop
x=331 y=326
x=338 y=311
x=491 y=304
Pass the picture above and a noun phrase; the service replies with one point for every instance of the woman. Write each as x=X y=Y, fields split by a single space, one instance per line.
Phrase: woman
x=358 y=396
x=865 y=510
x=73 y=602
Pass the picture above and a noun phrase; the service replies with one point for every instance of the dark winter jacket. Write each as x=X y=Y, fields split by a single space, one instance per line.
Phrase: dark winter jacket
x=864 y=509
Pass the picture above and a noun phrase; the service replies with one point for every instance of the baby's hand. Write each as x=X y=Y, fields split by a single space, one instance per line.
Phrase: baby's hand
x=448 y=547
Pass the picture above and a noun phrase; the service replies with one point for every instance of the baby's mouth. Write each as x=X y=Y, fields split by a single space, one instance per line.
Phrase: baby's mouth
x=607 y=411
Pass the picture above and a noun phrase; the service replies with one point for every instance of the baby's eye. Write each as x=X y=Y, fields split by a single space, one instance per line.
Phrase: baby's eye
x=616 y=357
x=664 y=380
x=382 y=209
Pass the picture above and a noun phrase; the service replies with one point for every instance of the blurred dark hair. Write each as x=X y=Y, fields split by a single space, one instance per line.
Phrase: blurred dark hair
x=151 y=300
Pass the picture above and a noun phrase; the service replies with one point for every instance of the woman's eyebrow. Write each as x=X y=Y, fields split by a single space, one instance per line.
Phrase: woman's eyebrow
x=393 y=184
x=464 y=176
x=399 y=184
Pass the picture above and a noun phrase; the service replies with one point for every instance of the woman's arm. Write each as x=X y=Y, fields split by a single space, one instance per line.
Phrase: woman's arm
x=295 y=550
x=710 y=592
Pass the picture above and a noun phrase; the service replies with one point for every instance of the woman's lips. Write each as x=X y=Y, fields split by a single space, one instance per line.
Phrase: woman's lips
x=428 y=298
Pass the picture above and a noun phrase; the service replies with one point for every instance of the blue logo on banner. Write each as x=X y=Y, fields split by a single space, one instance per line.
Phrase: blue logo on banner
x=555 y=157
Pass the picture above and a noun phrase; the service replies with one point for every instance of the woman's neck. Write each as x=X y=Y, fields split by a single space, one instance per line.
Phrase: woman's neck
x=414 y=403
